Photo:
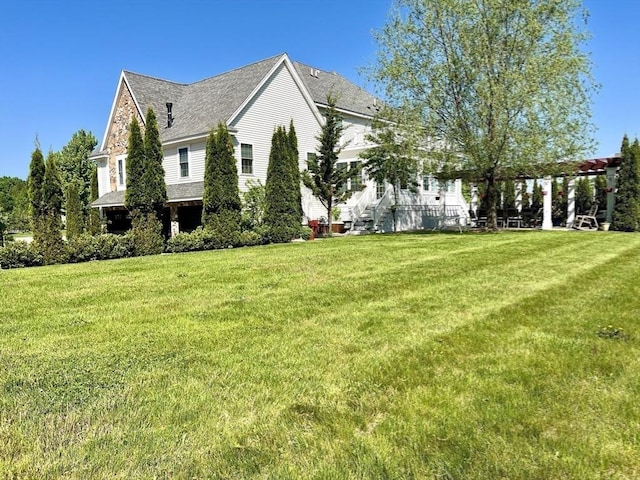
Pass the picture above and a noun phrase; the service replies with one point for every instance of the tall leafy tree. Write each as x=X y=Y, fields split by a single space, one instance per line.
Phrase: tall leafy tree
x=393 y=159
x=536 y=196
x=626 y=213
x=14 y=201
x=282 y=206
x=74 y=165
x=34 y=186
x=153 y=175
x=600 y=185
x=221 y=212
x=323 y=177
x=503 y=88
x=509 y=194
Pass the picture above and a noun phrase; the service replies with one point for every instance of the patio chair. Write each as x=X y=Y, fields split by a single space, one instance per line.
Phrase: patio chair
x=589 y=218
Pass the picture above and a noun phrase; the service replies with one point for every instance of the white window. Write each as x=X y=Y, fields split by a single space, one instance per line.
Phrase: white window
x=121 y=170
x=183 y=156
x=246 y=154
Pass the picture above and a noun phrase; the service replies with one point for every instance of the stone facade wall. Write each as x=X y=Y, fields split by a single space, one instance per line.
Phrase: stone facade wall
x=118 y=135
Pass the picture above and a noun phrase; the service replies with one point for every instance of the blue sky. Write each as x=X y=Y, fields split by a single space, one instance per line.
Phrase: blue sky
x=60 y=61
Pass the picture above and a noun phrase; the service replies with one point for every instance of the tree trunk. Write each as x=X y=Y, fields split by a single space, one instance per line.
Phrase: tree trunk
x=492 y=218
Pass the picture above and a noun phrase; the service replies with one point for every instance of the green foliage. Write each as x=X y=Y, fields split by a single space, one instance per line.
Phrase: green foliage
x=584 y=195
x=20 y=254
x=253 y=205
x=87 y=247
x=49 y=239
x=95 y=226
x=394 y=158
x=526 y=197
x=135 y=197
x=626 y=213
x=536 y=196
x=502 y=89
x=221 y=212
x=282 y=191
x=327 y=182
x=34 y=187
x=204 y=239
x=14 y=201
x=146 y=230
x=74 y=166
x=296 y=178
x=153 y=175
x=508 y=194
x=74 y=211
x=600 y=186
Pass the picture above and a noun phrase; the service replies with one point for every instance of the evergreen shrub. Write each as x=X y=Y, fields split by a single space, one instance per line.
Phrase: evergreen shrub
x=20 y=254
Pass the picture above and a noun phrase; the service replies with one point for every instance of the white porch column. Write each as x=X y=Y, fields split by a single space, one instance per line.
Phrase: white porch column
x=547 y=223
x=175 y=225
x=474 y=197
x=611 y=187
x=571 y=203
x=520 y=186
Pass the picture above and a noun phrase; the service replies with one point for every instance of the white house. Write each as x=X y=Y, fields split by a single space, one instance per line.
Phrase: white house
x=253 y=100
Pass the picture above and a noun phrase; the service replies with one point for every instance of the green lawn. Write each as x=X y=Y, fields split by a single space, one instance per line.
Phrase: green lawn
x=444 y=356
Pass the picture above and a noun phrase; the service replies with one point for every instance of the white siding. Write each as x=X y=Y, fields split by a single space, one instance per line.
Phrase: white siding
x=171 y=163
x=104 y=185
x=277 y=103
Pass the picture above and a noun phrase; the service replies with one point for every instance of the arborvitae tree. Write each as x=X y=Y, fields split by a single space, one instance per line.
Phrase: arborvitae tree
x=536 y=197
x=221 y=212
x=34 y=186
x=75 y=225
x=327 y=182
x=135 y=198
x=600 y=186
x=281 y=216
x=51 y=241
x=94 y=226
x=584 y=195
x=626 y=212
x=153 y=175
x=295 y=169
x=526 y=197
x=509 y=194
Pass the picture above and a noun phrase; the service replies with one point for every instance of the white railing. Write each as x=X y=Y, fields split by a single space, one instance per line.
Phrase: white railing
x=367 y=199
x=382 y=205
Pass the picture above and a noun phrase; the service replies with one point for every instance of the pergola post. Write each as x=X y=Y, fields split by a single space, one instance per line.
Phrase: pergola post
x=611 y=187
x=571 y=203
x=474 y=197
x=175 y=225
x=519 y=188
x=547 y=223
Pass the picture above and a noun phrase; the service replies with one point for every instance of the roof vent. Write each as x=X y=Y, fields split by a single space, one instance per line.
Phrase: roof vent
x=169 y=115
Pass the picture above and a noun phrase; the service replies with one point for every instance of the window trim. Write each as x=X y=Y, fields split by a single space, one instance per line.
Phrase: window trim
x=188 y=163
x=243 y=158
x=121 y=172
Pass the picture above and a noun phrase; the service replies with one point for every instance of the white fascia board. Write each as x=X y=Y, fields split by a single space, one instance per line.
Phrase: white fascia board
x=193 y=138
x=347 y=112
x=188 y=199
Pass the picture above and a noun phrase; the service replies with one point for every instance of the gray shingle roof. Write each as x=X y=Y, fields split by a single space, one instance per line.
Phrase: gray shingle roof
x=199 y=106
x=349 y=96
x=175 y=193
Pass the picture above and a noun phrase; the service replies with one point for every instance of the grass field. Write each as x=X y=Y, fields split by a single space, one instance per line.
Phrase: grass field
x=442 y=356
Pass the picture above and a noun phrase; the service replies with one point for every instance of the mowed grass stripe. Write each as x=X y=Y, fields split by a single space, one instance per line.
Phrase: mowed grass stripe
x=376 y=357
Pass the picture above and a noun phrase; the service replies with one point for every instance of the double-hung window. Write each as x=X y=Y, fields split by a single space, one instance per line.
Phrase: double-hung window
x=183 y=158
x=246 y=155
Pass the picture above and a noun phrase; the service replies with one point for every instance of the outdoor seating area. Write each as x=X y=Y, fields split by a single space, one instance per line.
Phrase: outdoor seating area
x=508 y=218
